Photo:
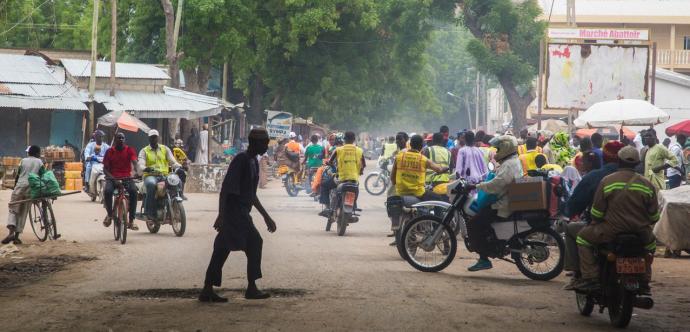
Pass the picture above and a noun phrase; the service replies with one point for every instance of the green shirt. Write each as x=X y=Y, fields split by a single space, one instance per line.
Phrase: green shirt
x=657 y=156
x=314 y=155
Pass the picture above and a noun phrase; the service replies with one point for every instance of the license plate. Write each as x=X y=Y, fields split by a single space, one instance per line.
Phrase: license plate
x=631 y=265
x=349 y=198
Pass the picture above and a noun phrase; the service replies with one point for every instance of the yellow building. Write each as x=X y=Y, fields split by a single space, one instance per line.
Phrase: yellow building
x=668 y=22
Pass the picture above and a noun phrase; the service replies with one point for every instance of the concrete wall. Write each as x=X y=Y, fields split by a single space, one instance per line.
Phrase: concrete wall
x=124 y=84
x=205 y=178
x=672 y=98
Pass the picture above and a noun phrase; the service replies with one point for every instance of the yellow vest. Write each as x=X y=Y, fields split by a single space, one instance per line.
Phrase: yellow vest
x=158 y=160
x=528 y=161
x=410 y=173
x=349 y=162
x=389 y=150
x=522 y=149
x=441 y=156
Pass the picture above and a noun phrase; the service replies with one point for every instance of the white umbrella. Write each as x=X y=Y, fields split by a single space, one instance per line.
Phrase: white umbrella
x=624 y=112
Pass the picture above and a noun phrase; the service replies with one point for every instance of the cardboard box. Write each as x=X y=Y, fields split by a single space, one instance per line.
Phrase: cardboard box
x=69 y=184
x=72 y=175
x=528 y=195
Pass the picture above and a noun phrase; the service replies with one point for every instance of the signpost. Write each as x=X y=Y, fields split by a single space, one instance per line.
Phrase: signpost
x=278 y=124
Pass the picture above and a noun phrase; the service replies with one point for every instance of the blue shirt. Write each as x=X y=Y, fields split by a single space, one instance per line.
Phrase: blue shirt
x=583 y=195
x=599 y=154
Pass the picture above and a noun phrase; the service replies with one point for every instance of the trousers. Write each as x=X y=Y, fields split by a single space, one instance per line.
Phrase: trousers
x=478 y=228
x=214 y=273
x=17 y=212
x=108 y=197
x=592 y=235
x=572 y=259
x=150 y=200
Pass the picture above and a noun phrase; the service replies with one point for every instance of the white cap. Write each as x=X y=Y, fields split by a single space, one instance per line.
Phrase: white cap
x=153 y=132
x=292 y=134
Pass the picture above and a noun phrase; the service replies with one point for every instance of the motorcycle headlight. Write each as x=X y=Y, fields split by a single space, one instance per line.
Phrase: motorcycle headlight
x=173 y=180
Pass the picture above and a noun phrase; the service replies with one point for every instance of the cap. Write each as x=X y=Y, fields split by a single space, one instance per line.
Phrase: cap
x=153 y=132
x=292 y=134
x=629 y=155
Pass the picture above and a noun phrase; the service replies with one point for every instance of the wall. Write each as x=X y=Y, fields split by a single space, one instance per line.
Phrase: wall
x=672 y=98
x=123 y=84
x=205 y=178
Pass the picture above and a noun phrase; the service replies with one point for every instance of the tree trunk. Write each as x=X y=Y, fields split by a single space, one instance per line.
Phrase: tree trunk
x=277 y=101
x=256 y=113
x=171 y=53
x=191 y=80
x=518 y=103
x=203 y=74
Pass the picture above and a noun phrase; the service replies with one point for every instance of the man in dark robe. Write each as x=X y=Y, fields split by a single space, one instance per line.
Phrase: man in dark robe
x=236 y=231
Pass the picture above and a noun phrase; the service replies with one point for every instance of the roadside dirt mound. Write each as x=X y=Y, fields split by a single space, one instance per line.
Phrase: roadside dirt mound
x=19 y=273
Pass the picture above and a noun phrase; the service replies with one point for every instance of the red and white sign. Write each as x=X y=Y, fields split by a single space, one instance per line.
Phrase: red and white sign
x=598 y=33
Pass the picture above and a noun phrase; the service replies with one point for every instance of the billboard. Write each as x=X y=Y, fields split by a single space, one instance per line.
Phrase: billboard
x=278 y=124
x=579 y=75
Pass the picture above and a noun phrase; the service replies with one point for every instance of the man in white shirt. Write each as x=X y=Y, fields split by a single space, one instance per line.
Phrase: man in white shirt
x=675 y=175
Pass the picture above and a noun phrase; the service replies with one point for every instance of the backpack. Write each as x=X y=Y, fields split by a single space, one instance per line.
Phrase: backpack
x=292 y=156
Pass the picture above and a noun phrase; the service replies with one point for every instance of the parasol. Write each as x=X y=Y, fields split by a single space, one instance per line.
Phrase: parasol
x=682 y=127
x=623 y=112
x=123 y=120
x=611 y=132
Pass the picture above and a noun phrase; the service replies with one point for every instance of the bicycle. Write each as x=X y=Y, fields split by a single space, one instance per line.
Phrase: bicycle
x=42 y=219
x=121 y=209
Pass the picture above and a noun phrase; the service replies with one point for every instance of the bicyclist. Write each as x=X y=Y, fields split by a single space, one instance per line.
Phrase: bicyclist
x=17 y=216
x=120 y=161
x=154 y=159
x=93 y=154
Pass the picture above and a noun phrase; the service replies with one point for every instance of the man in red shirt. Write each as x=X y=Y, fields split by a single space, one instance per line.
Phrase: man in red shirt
x=118 y=163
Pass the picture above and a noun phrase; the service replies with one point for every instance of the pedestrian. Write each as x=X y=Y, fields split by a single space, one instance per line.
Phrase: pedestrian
x=470 y=161
x=236 y=230
x=675 y=175
x=192 y=144
x=202 y=150
x=657 y=159
x=16 y=219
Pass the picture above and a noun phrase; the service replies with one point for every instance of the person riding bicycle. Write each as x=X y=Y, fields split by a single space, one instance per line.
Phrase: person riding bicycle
x=93 y=154
x=154 y=159
x=389 y=150
x=409 y=172
x=16 y=218
x=439 y=154
x=120 y=162
x=508 y=170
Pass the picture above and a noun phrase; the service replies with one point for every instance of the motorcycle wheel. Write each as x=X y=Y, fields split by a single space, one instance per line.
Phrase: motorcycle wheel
x=153 y=226
x=329 y=223
x=620 y=306
x=534 y=265
x=100 y=186
x=290 y=187
x=342 y=223
x=585 y=304
x=375 y=184
x=178 y=218
x=435 y=259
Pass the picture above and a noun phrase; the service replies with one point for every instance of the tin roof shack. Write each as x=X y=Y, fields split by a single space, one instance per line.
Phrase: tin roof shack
x=38 y=105
x=307 y=127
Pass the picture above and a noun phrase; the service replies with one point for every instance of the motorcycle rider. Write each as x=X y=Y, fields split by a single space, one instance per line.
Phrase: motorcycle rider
x=313 y=156
x=409 y=172
x=625 y=202
x=294 y=150
x=348 y=160
x=508 y=170
x=438 y=154
x=389 y=149
x=528 y=157
x=93 y=154
x=580 y=201
x=119 y=162
x=154 y=159
x=328 y=180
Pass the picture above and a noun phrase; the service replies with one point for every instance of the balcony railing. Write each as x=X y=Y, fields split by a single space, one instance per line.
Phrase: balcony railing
x=673 y=58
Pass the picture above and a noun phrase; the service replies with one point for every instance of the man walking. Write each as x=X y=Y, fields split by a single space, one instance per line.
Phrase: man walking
x=236 y=231
x=657 y=159
x=202 y=149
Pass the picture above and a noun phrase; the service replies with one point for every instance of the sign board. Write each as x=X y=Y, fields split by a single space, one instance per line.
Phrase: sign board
x=278 y=124
x=580 y=75
x=599 y=33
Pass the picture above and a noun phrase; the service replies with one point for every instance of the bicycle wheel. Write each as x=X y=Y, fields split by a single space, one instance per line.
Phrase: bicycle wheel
x=36 y=217
x=121 y=217
x=49 y=223
x=375 y=184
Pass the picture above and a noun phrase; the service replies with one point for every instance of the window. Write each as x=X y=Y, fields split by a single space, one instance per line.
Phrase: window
x=686 y=43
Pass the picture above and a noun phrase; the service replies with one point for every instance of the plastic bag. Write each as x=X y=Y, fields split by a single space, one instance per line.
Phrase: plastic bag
x=43 y=186
x=484 y=199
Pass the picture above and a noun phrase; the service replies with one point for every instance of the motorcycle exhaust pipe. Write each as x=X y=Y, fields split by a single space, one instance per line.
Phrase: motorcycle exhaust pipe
x=643 y=303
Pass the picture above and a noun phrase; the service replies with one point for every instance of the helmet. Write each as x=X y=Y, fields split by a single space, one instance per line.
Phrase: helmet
x=339 y=139
x=505 y=145
x=293 y=135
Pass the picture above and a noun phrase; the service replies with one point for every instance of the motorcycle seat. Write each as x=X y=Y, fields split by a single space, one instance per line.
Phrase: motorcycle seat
x=408 y=201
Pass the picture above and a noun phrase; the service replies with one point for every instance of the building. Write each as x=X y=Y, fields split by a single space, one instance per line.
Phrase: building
x=668 y=22
x=672 y=96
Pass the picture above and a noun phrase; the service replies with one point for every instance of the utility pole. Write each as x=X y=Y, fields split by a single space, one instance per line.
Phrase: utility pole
x=113 y=45
x=224 y=94
x=570 y=11
x=92 y=79
x=178 y=19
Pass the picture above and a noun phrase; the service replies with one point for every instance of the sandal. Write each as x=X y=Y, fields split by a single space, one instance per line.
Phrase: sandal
x=107 y=221
x=133 y=226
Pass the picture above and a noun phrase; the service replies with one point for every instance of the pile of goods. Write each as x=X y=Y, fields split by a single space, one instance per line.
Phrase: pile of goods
x=8 y=168
x=58 y=153
x=72 y=175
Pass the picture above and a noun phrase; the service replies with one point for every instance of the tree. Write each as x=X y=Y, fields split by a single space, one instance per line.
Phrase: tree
x=506 y=44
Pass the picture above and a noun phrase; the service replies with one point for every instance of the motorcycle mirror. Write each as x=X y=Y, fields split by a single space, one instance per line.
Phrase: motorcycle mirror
x=491 y=167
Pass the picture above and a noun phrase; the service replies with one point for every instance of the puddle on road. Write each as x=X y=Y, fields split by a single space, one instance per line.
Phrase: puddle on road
x=193 y=293
x=18 y=273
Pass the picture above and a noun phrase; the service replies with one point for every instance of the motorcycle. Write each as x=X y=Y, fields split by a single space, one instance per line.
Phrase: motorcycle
x=403 y=209
x=622 y=265
x=429 y=242
x=96 y=182
x=343 y=207
x=308 y=178
x=376 y=183
x=170 y=209
x=291 y=180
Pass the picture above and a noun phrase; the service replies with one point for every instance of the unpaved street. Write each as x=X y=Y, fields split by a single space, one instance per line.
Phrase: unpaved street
x=320 y=281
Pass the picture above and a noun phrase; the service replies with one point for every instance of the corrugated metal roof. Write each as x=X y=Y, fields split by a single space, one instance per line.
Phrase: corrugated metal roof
x=171 y=104
x=29 y=69
x=45 y=103
x=82 y=68
x=667 y=75
x=39 y=90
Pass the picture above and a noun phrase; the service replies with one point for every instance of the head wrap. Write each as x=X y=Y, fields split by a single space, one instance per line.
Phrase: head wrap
x=610 y=151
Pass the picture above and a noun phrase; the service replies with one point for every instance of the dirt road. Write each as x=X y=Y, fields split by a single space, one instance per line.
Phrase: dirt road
x=320 y=281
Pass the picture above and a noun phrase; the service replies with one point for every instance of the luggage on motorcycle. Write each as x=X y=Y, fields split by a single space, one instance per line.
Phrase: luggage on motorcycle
x=535 y=219
x=528 y=194
x=394 y=206
x=292 y=156
x=484 y=199
x=441 y=189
